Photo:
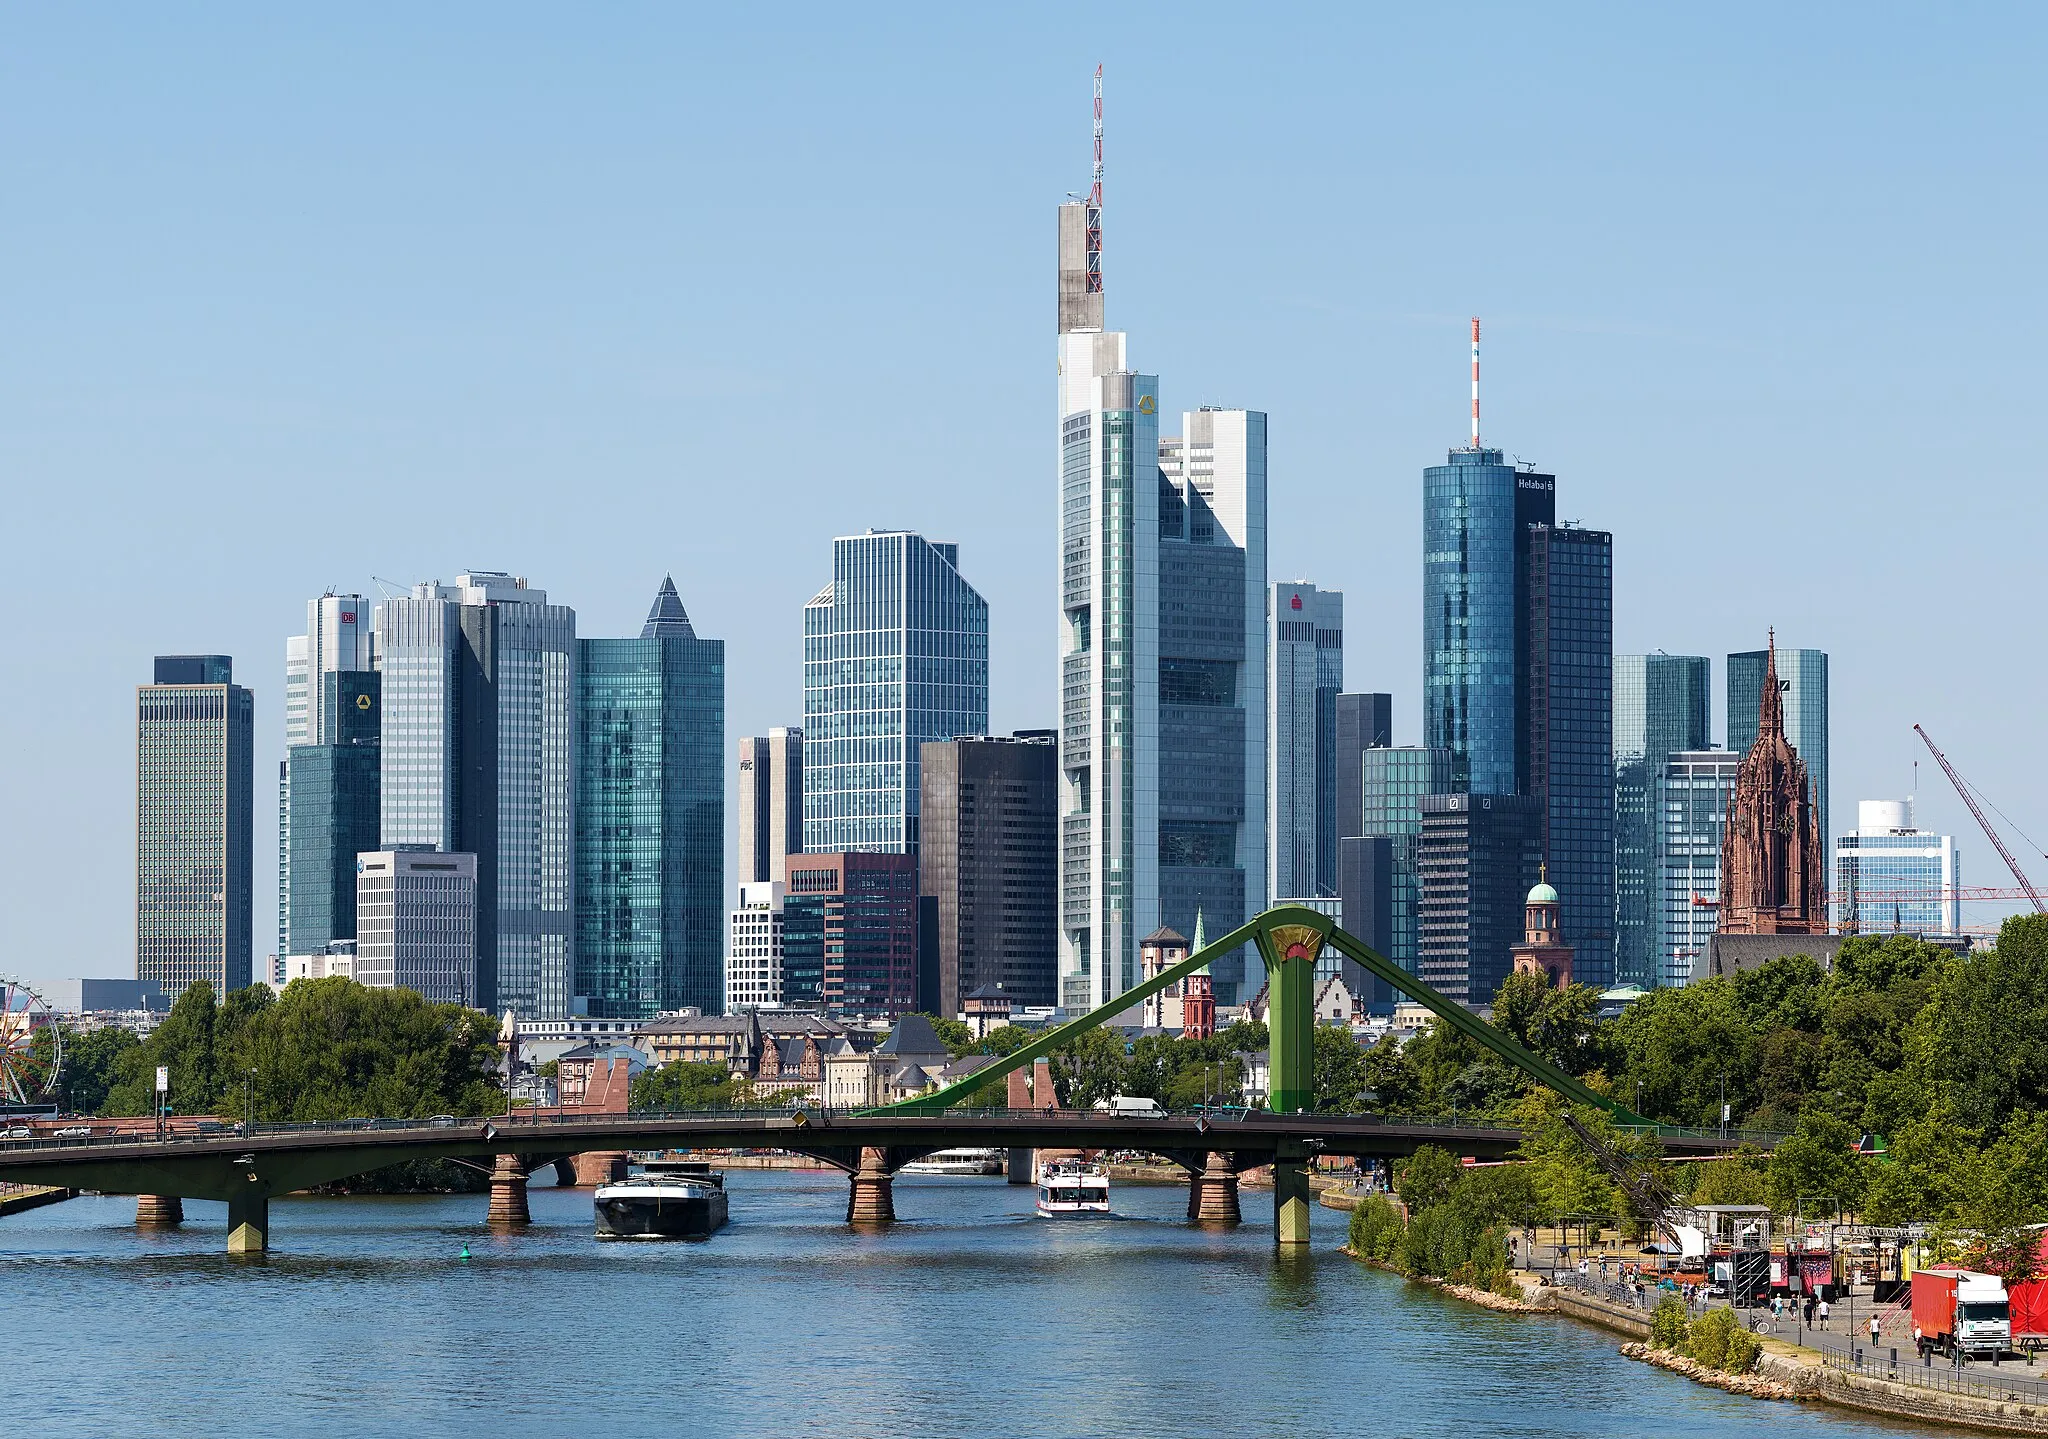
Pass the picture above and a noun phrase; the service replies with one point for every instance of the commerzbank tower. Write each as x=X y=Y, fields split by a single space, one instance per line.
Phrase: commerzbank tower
x=1162 y=643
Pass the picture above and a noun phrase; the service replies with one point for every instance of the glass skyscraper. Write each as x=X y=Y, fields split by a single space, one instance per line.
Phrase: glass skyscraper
x=1803 y=688
x=331 y=809
x=650 y=818
x=1692 y=800
x=195 y=814
x=895 y=653
x=1891 y=878
x=337 y=641
x=1305 y=655
x=1476 y=514
x=479 y=756
x=1392 y=785
x=1661 y=706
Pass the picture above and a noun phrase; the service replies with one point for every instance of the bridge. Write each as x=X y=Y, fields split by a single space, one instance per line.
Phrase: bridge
x=247 y=1170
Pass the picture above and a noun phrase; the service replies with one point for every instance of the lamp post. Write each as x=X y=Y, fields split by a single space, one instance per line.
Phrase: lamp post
x=249 y=1102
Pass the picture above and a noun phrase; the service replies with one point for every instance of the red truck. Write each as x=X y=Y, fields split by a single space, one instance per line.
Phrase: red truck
x=1960 y=1310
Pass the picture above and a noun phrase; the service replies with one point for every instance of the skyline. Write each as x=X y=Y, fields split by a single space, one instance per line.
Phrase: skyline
x=440 y=352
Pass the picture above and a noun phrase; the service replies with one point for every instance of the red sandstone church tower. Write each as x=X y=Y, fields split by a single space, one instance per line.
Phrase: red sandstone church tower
x=1772 y=875
x=1543 y=950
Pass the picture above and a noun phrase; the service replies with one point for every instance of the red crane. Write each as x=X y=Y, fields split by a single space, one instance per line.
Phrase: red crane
x=1982 y=823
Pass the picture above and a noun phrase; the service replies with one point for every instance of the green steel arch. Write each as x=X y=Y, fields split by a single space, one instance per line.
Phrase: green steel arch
x=1289 y=938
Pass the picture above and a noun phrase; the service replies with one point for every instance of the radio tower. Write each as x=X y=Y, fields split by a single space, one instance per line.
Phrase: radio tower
x=1475 y=368
x=1095 y=199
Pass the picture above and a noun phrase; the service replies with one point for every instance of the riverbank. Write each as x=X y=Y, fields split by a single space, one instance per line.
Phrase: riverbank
x=15 y=1199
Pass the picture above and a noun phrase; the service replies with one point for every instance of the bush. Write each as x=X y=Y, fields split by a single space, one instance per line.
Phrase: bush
x=1744 y=1348
x=1708 y=1340
x=1668 y=1324
x=1376 y=1229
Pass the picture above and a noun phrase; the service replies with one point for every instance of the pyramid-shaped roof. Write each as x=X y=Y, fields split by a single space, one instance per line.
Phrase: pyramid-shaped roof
x=667 y=620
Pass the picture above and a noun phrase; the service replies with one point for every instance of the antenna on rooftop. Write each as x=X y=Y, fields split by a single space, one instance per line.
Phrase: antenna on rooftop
x=1475 y=382
x=1095 y=199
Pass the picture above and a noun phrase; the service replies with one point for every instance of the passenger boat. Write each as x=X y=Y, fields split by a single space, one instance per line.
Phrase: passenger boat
x=957 y=1161
x=1068 y=1186
x=668 y=1200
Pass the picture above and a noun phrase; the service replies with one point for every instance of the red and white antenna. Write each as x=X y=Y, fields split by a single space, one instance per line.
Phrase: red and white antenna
x=1095 y=199
x=1475 y=382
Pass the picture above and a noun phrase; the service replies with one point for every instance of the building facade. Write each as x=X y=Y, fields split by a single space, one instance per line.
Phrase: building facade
x=650 y=818
x=1891 y=878
x=1305 y=674
x=479 y=757
x=1692 y=800
x=770 y=810
x=754 y=950
x=331 y=809
x=1364 y=721
x=1571 y=731
x=1661 y=706
x=1394 y=781
x=338 y=640
x=1773 y=880
x=1802 y=679
x=861 y=910
x=1478 y=856
x=195 y=788
x=989 y=857
x=895 y=653
x=416 y=923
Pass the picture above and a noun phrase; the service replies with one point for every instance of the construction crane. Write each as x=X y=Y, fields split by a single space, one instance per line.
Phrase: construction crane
x=1982 y=823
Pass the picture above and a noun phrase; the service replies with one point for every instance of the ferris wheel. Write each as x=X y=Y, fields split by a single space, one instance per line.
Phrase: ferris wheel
x=31 y=1045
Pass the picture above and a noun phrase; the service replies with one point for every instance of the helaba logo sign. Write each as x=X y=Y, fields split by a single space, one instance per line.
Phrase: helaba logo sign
x=1533 y=482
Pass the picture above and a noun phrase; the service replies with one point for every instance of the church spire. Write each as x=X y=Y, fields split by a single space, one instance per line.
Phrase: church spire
x=1770 y=709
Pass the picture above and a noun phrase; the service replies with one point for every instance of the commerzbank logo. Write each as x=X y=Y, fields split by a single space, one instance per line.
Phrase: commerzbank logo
x=1147 y=405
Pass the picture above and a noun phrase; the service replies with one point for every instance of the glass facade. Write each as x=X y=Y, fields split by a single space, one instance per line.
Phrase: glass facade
x=1571 y=732
x=1691 y=803
x=1476 y=511
x=1305 y=655
x=1803 y=689
x=1891 y=878
x=650 y=819
x=332 y=806
x=195 y=823
x=1661 y=706
x=1392 y=784
x=895 y=653
x=853 y=918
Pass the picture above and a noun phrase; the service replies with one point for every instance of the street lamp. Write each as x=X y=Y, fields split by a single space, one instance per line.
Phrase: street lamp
x=249 y=1101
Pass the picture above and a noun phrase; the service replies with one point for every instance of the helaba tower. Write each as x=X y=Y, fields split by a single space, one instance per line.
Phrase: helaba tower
x=1162 y=649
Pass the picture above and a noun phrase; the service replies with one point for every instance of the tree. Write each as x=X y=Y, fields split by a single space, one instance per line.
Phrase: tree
x=1339 y=1069
x=92 y=1065
x=1425 y=1180
x=954 y=1034
x=1088 y=1068
x=1004 y=1039
x=685 y=1084
x=1739 y=1178
x=1818 y=1159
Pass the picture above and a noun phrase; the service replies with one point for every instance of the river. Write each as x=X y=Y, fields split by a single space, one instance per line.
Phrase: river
x=971 y=1317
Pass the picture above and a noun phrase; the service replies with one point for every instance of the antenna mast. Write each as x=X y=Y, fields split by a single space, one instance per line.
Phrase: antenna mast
x=1095 y=199
x=1475 y=382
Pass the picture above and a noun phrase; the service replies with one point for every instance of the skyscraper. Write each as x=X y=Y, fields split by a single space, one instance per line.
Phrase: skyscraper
x=1571 y=732
x=1478 y=857
x=990 y=858
x=1803 y=699
x=337 y=641
x=862 y=910
x=417 y=915
x=1892 y=878
x=1364 y=721
x=895 y=653
x=195 y=795
x=771 y=803
x=1305 y=655
x=1393 y=784
x=1661 y=705
x=479 y=756
x=331 y=812
x=650 y=817
x=1692 y=798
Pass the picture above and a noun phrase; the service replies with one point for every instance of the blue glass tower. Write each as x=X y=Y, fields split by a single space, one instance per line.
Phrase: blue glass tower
x=332 y=809
x=895 y=653
x=1803 y=691
x=650 y=818
x=1661 y=705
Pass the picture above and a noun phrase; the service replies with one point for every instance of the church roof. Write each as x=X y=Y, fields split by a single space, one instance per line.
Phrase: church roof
x=1543 y=894
x=1165 y=936
x=667 y=620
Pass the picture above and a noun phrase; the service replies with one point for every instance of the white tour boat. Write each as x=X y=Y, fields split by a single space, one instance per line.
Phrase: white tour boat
x=958 y=1161
x=1068 y=1186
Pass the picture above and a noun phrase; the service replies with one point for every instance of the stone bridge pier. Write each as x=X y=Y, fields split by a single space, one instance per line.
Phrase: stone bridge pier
x=871 y=1197
x=508 y=1194
x=159 y=1211
x=1212 y=1191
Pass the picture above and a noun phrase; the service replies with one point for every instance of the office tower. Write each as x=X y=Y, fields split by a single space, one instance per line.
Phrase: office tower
x=1385 y=888
x=1661 y=705
x=337 y=641
x=1773 y=880
x=331 y=809
x=1363 y=722
x=754 y=952
x=1692 y=798
x=416 y=917
x=895 y=653
x=1891 y=878
x=479 y=756
x=771 y=803
x=1571 y=729
x=1305 y=655
x=1477 y=513
x=1478 y=856
x=650 y=818
x=1803 y=699
x=863 y=910
x=989 y=857
x=195 y=792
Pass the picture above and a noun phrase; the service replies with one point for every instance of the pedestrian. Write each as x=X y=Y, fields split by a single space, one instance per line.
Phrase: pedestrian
x=1873 y=1331
x=1823 y=1314
x=1777 y=1309
x=1809 y=1310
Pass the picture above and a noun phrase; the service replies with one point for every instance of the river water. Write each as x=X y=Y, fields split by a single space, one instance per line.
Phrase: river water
x=971 y=1317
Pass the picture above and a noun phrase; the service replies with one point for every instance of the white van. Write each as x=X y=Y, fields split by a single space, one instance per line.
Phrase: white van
x=1125 y=1106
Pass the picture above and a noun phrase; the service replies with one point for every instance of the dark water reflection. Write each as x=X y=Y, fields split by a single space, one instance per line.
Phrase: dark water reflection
x=971 y=1318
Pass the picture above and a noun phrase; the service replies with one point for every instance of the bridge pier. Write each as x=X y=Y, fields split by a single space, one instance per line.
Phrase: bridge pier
x=599 y=1166
x=1290 y=1203
x=565 y=1171
x=1212 y=1194
x=249 y=1224
x=508 y=1194
x=871 y=1199
x=159 y=1211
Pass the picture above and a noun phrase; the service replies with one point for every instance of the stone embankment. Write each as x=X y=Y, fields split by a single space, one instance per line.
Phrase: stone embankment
x=1757 y=1386
x=16 y=1197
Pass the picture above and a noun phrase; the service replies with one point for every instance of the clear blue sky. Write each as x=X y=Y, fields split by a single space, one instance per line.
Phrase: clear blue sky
x=292 y=299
